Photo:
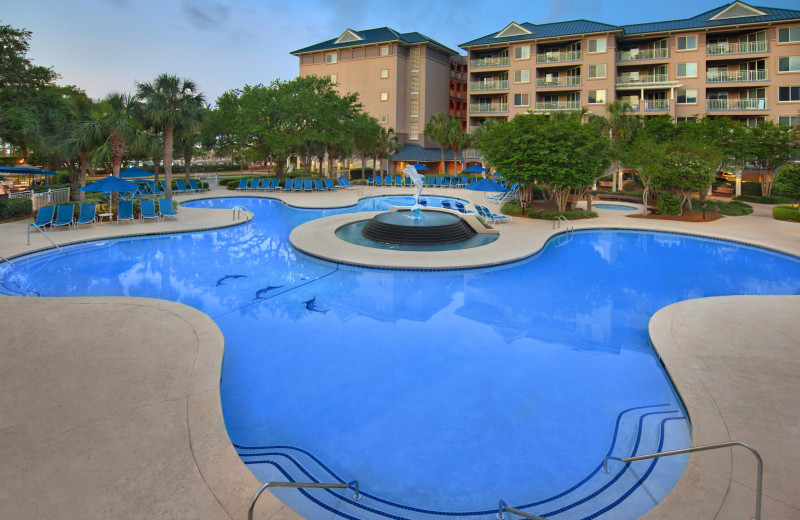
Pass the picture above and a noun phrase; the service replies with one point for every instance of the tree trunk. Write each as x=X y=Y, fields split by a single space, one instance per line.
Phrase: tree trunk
x=156 y=162
x=363 y=166
x=84 y=166
x=455 y=161
x=444 y=166
x=168 y=139
x=188 y=160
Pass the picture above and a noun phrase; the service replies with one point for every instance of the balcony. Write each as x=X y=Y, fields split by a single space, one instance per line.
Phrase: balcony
x=656 y=105
x=725 y=49
x=488 y=63
x=488 y=108
x=559 y=57
x=636 y=81
x=501 y=84
x=736 y=76
x=564 y=81
x=736 y=104
x=643 y=54
x=551 y=106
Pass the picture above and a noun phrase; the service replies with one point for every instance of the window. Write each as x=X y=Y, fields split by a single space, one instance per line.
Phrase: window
x=414 y=59
x=385 y=50
x=415 y=108
x=687 y=70
x=597 y=97
x=789 y=120
x=522 y=76
x=789 y=34
x=521 y=100
x=597 y=71
x=415 y=84
x=330 y=58
x=384 y=73
x=789 y=64
x=522 y=53
x=384 y=96
x=684 y=119
x=788 y=93
x=688 y=96
x=597 y=45
x=384 y=119
x=334 y=78
x=413 y=132
x=687 y=42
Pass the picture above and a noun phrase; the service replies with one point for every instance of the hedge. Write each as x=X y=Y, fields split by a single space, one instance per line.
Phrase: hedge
x=550 y=215
x=774 y=199
x=786 y=213
x=19 y=207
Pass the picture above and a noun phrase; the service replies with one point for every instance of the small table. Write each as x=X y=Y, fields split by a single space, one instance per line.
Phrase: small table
x=101 y=216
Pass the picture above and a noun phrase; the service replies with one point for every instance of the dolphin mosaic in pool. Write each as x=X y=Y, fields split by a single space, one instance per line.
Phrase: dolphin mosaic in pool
x=311 y=305
x=222 y=280
x=261 y=292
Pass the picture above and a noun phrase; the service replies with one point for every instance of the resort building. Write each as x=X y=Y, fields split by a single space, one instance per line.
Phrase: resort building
x=736 y=60
x=403 y=79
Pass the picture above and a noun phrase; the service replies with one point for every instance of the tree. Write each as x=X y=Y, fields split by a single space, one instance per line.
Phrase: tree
x=766 y=147
x=687 y=164
x=387 y=144
x=787 y=182
x=114 y=122
x=365 y=129
x=171 y=102
x=622 y=124
x=646 y=150
x=76 y=143
x=558 y=151
x=436 y=131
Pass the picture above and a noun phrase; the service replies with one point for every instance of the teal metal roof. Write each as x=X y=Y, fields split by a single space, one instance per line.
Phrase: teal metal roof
x=547 y=30
x=581 y=27
x=704 y=20
x=374 y=36
x=416 y=153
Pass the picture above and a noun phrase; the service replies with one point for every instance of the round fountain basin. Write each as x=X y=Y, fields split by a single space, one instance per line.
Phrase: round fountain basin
x=402 y=227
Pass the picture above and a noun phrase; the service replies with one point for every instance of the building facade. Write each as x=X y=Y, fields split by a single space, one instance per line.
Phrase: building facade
x=736 y=60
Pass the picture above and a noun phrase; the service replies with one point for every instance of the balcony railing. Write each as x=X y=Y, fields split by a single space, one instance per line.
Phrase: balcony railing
x=642 y=80
x=656 y=105
x=558 y=57
x=736 y=104
x=734 y=76
x=643 y=54
x=722 y=49
x=488 y=63
x=487 y=108
x=564 y=81
x=472 y=153
x=549 y=106
x=501 y=84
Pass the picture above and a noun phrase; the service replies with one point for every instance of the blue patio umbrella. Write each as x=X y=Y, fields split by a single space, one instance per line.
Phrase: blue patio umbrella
x=420 y=167
x=475 y=168
x=497 y=174
x=110 y=185
x=132 y=172
x=485 y=185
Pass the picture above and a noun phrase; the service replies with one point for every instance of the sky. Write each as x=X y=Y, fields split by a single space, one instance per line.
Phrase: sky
x=104 y=46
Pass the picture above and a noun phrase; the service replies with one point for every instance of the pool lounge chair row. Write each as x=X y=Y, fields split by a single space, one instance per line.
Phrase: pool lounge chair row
x=63 y=215
x=483 y=211
x=152 y=189
x=147 y=210
x=266 y=184
x=433 y=182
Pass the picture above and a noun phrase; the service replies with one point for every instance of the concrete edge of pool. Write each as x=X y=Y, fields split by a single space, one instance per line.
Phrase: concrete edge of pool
x=712 y=486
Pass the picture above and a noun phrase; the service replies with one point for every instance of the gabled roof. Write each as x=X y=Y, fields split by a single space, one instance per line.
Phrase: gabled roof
x=353 y=38
x=546 y=30
x=735 y=13
x=416 y=153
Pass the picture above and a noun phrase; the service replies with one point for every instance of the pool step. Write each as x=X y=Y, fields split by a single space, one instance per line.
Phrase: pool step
x=639 y=485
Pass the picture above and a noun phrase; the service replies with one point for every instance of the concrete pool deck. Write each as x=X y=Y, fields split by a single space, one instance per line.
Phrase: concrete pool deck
x=124 y=420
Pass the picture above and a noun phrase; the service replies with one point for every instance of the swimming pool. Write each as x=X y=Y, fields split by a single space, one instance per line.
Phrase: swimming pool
x=614 y=207
x=440 y=392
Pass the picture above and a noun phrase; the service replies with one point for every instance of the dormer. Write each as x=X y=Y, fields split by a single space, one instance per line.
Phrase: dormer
x=737 y=10
x=513 y=29
x=349 y=36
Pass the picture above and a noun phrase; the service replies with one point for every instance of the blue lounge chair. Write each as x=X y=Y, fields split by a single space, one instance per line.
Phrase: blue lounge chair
x=275 y=184
x=379 y=180
x=253 y=183
x=438 y=182
x=196 y=187
x=287 y=185
x=242 y=184
x=298 y=185
x=87 y=213
x=423 y=202
x=407 y=181
x=125 y=210
x=44 y=217
x=182 y=187
x=154 y=190
x=370 y=181
x=446 y=205
x=148 y=210
x=165 y=209
x=492 y=218
x=398 y=180
x=318 y=185
x=264 y=184
x=461 y=208
x=308 y=185
x=330 y=186
x=64 y=216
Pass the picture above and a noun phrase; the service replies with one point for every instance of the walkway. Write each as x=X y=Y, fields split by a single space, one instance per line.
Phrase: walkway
x=115 y=421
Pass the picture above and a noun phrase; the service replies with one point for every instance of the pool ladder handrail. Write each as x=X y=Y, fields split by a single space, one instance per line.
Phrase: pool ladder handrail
x=301 y=485
x=45 y=235
x=504 y=507
x=7 y=260
x=704 y=447
x=238 y=210
x=567 y=225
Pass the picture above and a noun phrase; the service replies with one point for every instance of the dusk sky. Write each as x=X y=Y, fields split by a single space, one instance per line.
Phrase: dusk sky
x=107 y=45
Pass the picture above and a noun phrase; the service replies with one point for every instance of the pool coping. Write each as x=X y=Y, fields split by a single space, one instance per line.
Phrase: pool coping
x=232 y=484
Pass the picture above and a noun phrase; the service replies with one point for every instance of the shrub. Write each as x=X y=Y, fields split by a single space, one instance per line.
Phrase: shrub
x=773 y=199
x=751 y=188
x=786 y=213
x=355 y=173
x=729 y=209
x=12 y=208
x=62 y=177
x=512 y=208
x=629 y=185
x=669 y=204
x=550 y=215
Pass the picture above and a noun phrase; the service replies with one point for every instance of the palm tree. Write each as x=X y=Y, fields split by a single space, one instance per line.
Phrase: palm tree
x=436 y=130
x=364 y=129
x=387 y=145
x=171 y=102
x=622 y=124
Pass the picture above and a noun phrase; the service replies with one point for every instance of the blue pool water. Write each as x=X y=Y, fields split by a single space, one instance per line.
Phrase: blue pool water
x=616 y=207
x=440 y=392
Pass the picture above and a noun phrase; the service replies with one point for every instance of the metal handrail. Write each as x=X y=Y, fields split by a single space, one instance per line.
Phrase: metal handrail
x=301 y=485
x=729 y=444
x=7 y=260
x=504 y=507
x=561 y=218
x=45 y=235
x=237 y=212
